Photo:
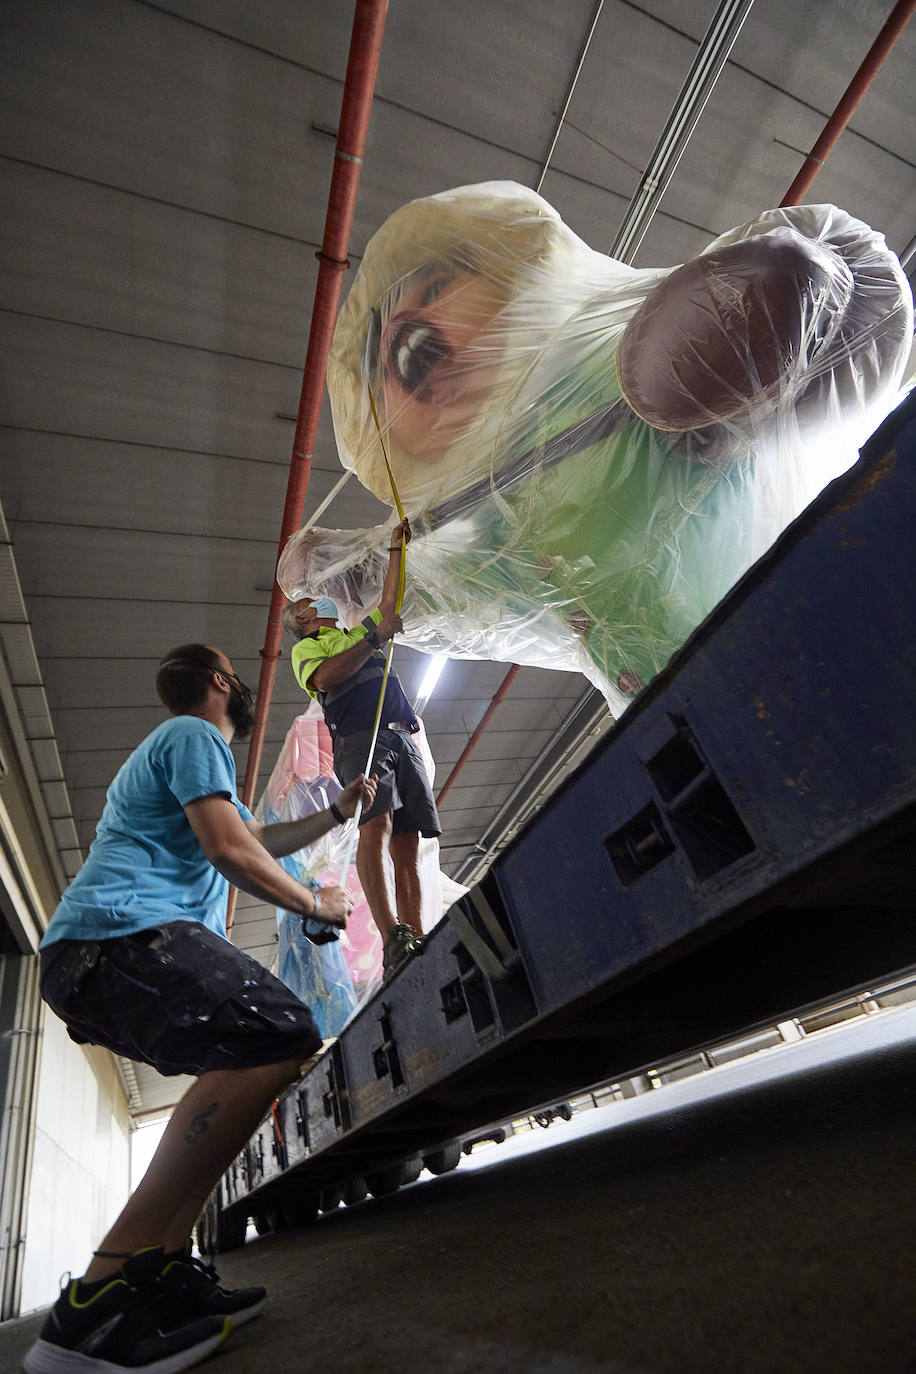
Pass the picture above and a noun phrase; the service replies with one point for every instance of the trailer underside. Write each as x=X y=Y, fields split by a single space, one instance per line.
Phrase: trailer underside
x=740 y=846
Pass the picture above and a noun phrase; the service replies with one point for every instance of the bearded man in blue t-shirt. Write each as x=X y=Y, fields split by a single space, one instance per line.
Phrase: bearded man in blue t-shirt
x=136 y=958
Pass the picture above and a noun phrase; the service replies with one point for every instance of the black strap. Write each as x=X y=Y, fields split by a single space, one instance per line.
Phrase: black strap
x=577 y=437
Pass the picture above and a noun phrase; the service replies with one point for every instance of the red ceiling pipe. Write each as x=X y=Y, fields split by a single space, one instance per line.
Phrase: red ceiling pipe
x=877 y=53
x=365 y=46
x=356 y=107
x=497 y=697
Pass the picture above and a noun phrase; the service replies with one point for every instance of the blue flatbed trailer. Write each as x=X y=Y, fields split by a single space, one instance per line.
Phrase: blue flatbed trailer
x=742 y=844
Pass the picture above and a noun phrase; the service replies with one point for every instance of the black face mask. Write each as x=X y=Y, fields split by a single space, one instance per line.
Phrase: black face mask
x=240 y=710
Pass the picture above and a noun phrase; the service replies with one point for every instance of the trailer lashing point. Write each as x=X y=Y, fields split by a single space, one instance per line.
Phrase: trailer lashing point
x=252 y=1161
x=492 y=986
x=302 y=1118
x=678 y=763
x=333 y=1099
x=385 y=1059
x=639 y=845
x=278 y=1144
x=472 y=987
x=697 y=816
x=470 y=994
x=454 y=1002
x=709 y=829
x=230 y=1181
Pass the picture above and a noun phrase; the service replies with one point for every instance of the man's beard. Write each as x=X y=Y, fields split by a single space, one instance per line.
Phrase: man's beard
x=241 y=713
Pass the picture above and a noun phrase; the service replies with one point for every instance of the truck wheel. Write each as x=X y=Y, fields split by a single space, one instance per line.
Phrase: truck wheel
x=445 y=1160
x=497 y=1135
x=301 y=1209
x=203 y=1232
x=330 y=1199
x=276 y=1216
x=355 y=1190
x=261 y=1224
x=231 y=1228
x=411 y=1169
x=384 y=1181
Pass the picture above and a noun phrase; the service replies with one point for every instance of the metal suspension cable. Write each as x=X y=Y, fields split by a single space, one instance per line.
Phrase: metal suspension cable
x=356 y=106
x=569 y=94
x=331 y=496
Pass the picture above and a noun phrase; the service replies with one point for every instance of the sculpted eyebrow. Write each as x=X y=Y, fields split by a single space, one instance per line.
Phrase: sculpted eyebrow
x=434 y=288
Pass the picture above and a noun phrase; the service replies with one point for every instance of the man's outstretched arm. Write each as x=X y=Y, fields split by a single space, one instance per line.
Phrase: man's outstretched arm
x=339 y=667
x=227 y=843
x=388 y=599
x=287 y=837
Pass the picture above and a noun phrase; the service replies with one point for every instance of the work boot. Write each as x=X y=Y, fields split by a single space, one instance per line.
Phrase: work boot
x=194 y=1287
x=401 y=943
x=123 y=1324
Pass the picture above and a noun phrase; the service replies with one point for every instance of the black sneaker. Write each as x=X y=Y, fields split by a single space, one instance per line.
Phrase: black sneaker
x=195 y=1287
x=122 y=1325
x=401 y=943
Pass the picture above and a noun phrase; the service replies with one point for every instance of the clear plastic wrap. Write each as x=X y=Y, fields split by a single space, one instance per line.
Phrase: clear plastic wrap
x=591 y=454
x=334 y=978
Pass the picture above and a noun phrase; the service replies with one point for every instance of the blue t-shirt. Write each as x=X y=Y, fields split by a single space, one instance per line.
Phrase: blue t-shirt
x=145 y=866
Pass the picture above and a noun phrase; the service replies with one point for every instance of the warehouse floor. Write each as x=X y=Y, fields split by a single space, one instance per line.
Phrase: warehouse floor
x=765 y=1231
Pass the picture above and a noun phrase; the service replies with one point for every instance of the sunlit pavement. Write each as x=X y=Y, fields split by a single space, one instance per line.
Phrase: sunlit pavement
x=896 y=1027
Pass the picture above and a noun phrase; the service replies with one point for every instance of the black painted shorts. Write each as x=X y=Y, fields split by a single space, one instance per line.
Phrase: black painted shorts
x=178 y=997
x=403 y=785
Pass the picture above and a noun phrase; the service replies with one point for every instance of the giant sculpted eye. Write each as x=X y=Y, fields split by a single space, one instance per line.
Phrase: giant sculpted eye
x=415 y=350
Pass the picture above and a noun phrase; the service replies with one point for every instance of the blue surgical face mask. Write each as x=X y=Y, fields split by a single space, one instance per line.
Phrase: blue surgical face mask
x=325 y=608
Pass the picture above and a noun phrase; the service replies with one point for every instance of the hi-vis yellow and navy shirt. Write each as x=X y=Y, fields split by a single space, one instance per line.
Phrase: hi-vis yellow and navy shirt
x=350 y=707
x=323 y=644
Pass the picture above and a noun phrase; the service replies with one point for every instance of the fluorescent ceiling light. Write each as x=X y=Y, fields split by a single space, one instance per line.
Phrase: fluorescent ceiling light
x=428 y=685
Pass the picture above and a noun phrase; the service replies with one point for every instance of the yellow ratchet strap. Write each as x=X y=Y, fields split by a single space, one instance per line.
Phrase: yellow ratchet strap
x=403 y=569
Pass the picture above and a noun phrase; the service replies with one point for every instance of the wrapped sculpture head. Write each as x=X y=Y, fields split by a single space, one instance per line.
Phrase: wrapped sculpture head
x=592 y=454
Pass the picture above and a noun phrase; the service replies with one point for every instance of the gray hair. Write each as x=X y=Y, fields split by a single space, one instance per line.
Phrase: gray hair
x=289 y=622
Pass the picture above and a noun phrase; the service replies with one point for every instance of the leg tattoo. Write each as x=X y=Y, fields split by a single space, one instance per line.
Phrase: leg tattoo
x=200 y=1123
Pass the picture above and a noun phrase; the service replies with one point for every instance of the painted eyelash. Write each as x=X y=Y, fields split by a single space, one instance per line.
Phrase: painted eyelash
x=434 y=290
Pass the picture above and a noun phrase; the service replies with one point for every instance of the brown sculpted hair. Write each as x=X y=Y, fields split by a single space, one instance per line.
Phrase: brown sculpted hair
x=183 y=676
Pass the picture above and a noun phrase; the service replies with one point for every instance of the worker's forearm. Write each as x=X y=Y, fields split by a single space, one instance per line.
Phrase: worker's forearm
x=388 y=599
x=288 y=836
x=249 y=867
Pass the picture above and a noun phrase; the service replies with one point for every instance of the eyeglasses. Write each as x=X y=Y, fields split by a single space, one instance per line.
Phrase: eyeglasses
x=243 y=691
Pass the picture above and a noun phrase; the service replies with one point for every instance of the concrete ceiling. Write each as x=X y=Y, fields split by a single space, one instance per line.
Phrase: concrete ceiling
x=166 y=169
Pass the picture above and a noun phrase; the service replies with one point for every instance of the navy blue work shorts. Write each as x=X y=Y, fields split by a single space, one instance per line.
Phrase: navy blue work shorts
x=403 y=785
x=178 y=997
